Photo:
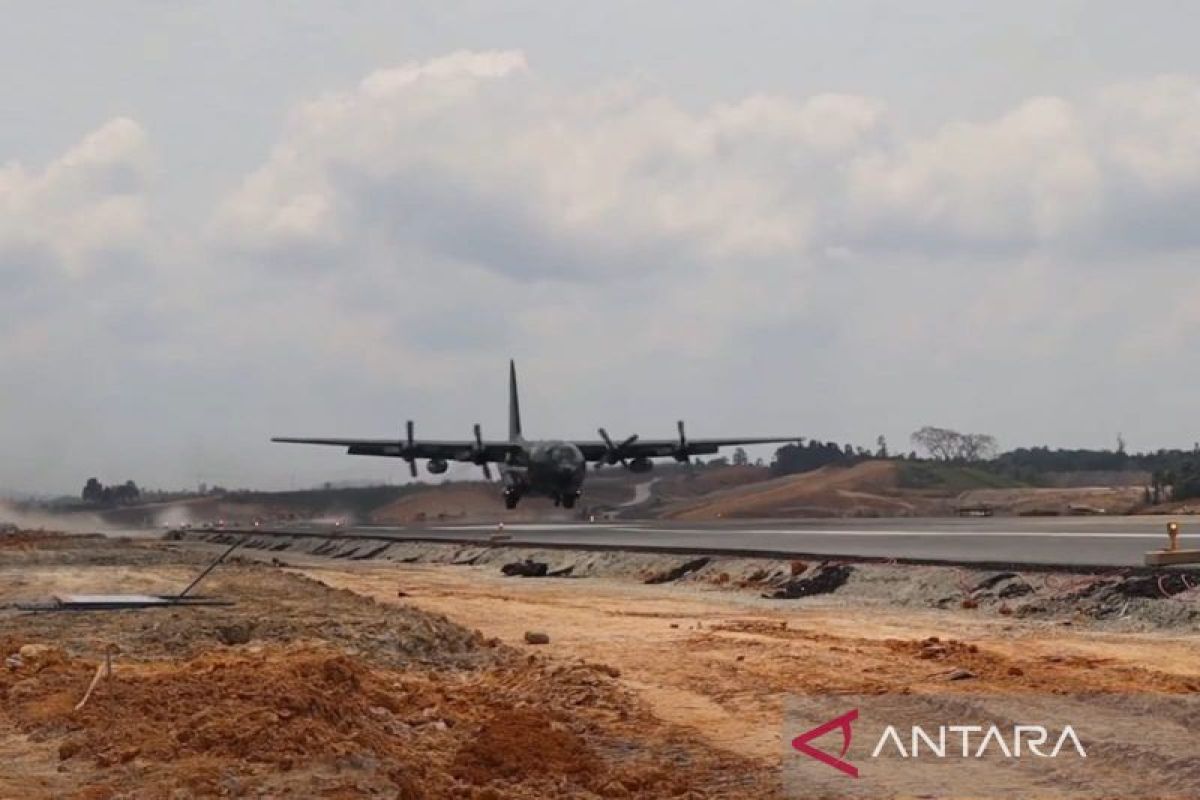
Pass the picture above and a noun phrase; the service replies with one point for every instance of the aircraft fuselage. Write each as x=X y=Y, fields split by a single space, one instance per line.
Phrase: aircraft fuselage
x=554 y=469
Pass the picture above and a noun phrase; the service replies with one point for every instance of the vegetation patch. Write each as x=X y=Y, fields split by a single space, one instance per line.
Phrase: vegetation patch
x=952 y=477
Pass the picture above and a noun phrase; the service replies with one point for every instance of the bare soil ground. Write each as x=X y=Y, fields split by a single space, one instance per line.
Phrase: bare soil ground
x=357 y=678
x=721 y=663
x=303 y=690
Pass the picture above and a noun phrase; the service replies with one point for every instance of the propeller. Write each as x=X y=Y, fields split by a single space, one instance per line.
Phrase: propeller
x=479 y=455
x=681 y=452
x=614 y=452
x=408 y=456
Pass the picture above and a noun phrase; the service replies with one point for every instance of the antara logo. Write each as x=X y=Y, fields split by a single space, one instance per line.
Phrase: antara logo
x=950 y=741
x=843 y=722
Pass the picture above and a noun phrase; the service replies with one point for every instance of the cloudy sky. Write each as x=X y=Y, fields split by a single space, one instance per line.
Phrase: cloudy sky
x=225 y=221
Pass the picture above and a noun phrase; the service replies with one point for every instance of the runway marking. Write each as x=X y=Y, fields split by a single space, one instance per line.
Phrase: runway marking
x=527 y=526
x=966 y=534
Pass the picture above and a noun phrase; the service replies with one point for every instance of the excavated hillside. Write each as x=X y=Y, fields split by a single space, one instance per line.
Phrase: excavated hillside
x=867 y=489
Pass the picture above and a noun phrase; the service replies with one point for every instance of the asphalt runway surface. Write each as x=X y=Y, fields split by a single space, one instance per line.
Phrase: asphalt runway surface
x=1059 y=541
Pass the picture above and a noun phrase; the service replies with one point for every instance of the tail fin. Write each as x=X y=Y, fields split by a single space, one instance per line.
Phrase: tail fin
x=514 y=405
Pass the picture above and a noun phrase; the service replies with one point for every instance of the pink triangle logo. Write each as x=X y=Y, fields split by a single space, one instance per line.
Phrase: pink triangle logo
x=801 y=743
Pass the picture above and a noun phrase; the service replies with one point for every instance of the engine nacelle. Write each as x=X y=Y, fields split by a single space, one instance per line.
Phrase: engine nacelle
x=641 y=465
x=437 y=466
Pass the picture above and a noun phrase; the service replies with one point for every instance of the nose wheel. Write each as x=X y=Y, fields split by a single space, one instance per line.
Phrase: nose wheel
x=568 y=500
x=510 y=499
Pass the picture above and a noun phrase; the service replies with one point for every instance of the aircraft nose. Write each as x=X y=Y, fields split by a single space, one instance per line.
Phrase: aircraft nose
x=567 y=455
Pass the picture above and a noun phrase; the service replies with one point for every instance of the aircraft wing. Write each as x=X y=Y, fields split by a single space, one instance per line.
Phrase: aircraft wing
x=445 y=449
x=595 y=450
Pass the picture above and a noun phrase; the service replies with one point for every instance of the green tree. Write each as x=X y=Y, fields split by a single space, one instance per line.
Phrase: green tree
x=93 y=491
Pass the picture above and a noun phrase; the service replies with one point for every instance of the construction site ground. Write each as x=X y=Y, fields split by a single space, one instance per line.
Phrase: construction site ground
x=357 y=678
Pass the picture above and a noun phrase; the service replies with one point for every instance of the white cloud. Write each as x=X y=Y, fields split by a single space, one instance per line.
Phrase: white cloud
x=1025 y=178
x=89 y=201
x=472 y=189
x=616 y=170
x=686 y=226
x=405 y=235
x=1152 y=131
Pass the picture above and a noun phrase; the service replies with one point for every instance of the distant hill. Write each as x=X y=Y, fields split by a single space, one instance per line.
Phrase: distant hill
x=870 y=488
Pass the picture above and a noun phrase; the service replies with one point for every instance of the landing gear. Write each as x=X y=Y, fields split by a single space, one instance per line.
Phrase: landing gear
x=510 y=499
x=568 y=501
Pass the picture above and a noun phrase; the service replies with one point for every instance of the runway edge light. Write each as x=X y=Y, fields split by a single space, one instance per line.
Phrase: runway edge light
x=1172 y=554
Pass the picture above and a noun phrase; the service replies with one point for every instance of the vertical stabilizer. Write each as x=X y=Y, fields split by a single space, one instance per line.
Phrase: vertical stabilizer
x=514 y=405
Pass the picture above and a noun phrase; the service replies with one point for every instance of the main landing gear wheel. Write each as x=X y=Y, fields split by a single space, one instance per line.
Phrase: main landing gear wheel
x=568 y=502
x=510 y=501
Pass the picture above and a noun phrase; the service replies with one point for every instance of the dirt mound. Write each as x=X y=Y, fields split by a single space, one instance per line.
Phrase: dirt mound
x=270 y=713
x=302 y=690
x=270 y=607
x=867 y=489
x=270 y=710
x=519 y=742
x=305 y=721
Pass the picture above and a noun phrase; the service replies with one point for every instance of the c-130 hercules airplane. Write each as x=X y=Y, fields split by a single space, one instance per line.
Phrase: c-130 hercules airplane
x=554 y=468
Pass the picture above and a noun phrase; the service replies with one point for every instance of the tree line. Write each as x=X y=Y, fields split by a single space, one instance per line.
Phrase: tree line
x=1174 y=473
x=96 y=493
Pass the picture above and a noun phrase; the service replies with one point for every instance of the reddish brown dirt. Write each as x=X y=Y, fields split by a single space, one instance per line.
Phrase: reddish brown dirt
x=721 y=664
x=334 y=695
x=522 y=743
x=314 y=717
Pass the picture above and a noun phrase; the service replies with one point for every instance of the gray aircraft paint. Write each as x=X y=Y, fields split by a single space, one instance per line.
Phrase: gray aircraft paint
x=552 y=468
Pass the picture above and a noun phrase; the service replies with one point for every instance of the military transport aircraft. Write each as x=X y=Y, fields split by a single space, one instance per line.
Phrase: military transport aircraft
x=551 y=468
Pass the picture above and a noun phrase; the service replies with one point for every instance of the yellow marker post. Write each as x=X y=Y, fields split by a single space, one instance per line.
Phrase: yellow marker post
x=1172 y=554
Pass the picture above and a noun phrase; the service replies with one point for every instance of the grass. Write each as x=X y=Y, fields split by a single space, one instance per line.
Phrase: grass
x=952 y=477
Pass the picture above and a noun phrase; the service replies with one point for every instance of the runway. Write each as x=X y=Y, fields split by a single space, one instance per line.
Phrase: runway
x=1071 y=541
